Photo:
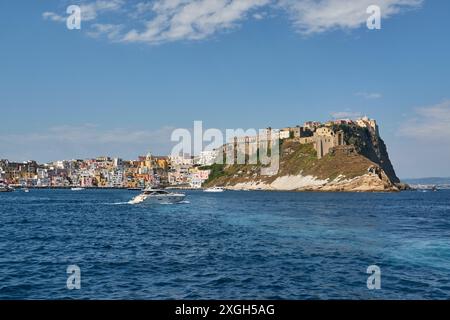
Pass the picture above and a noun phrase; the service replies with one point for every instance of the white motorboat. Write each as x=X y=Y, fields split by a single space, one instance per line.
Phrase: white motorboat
x=158 y=196
x=214 y=189
x=77 y=189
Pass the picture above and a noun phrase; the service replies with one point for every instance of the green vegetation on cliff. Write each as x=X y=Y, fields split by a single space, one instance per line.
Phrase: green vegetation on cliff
x=217 y=171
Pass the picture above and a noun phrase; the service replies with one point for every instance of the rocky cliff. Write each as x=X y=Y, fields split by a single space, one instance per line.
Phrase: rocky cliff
x=362 y=164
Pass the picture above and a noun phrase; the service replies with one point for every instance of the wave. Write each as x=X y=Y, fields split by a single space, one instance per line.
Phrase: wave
x=137 y=203
x=117 y=203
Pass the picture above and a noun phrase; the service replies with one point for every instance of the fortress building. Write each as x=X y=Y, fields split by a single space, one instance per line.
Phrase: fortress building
x=325 y=139
x=370 y=124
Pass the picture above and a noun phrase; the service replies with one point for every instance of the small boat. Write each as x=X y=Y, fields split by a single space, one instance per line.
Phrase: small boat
x=214 y=189
x=158 y=196
x=26 y=190
x=77 y=189
x=5 y=188
x=134 y=189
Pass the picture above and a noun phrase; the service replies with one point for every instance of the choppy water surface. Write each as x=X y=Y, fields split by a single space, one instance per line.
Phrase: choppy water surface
x=231 y=245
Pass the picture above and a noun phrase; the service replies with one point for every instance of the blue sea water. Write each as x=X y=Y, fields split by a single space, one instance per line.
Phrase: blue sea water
x=231 y=245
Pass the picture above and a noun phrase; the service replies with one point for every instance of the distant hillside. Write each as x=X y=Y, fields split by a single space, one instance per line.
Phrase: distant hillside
x=431 y=180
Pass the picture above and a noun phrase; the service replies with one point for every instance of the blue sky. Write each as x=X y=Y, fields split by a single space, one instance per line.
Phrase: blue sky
x=138 y=69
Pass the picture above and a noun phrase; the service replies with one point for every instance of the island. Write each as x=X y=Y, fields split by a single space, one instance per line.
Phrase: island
x=340 y=155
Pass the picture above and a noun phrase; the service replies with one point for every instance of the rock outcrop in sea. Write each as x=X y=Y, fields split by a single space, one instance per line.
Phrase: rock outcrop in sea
x=360 y=164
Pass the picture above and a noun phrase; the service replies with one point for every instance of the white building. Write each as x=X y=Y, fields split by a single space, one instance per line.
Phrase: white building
x=41 y=173
x=195 y=183
x=181 y=161
x=371 y=124
x=285 y=134
x=117 y=179
x=117 y=162
x=61 y=164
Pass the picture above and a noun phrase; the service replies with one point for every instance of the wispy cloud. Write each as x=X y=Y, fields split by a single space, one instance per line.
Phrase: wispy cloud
x=110 y=31
x=89 y=10
x=53 y=17
x=345 y=115
x=369 y=95
x=259 y=15
x=431 y=123
x=316 y=16
x=160 y=21
x=192 y=20
x=83 y=141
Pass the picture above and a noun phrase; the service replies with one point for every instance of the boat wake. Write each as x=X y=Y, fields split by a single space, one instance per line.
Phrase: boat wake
x=180 y=202
x=117 y=203
x=133 y=202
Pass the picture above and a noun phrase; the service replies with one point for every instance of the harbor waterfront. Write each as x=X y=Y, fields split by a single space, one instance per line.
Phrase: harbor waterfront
x=338 y=155
x=227 y=245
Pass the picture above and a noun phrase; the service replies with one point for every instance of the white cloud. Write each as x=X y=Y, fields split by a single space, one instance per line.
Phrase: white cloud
x=53 y=17
x=345 y=115
x=160 y=21
x=259 y=16
x=89 y=10
x=192 y=20
x=369 y=95
x=110 y=31
x=421 y=145
x=430 y=123
x=315 y=16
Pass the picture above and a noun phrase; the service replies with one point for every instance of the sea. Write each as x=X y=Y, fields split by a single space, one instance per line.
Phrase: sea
x=92 y=244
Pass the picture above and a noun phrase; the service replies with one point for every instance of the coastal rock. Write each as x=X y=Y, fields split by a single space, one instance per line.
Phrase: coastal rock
x=369 y=182
x=362 y=164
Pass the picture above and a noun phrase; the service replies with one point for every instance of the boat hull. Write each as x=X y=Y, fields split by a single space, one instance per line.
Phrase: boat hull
x=169 y=199
x=6 y=189
x=165 y=200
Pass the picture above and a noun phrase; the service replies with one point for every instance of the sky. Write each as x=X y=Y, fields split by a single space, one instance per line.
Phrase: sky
x=137 y=70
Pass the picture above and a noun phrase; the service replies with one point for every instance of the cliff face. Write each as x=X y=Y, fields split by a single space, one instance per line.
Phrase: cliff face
x=362 y=164
x=370 y=145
